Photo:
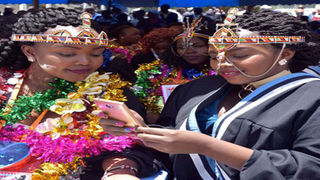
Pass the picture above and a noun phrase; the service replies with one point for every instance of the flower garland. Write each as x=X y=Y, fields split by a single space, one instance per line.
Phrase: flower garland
x=150 y=77
x=61 y=143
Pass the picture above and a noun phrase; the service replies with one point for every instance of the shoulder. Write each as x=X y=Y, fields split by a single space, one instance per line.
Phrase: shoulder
x=205 y=83
x=196 y=87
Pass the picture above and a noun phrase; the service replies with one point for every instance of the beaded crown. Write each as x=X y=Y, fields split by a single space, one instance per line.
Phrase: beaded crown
x=190 y=31
x=87 y=35
x=225 y=38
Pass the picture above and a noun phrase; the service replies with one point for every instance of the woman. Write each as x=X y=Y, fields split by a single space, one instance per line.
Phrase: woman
x=261 y=124
x=124 y=46
x=185 y=60
x=154 y=44
x=48 y=83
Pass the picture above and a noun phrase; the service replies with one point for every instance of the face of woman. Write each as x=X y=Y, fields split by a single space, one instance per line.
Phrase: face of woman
x=251 y=59
x=130 y=36
x=66 y=61
x=196 y=53
x=162 y=46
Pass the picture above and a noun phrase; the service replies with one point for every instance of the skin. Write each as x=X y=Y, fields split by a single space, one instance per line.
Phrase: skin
x=197 y=54
x=251 y=59
x=129 y=36
x=162 y=46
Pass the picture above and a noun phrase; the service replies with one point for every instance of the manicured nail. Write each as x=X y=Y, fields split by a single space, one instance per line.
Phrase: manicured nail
x=101 y=114
x=132 y=129
x=119 y=124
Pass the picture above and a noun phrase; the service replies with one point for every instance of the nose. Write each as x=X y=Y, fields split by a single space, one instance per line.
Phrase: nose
x=225 y=63
x=83 y=60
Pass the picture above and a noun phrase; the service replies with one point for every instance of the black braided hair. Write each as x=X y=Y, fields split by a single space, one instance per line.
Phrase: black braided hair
x=268 y=22
x=35 y=22
x=170 y=58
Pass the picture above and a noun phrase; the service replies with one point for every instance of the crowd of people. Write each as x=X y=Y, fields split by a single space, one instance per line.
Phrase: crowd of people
x=219 y=95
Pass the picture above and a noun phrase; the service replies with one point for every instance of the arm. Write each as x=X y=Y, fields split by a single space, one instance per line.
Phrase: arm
x=188 y=142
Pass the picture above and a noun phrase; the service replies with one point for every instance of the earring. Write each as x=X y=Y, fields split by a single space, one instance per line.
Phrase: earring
x=30 y=59
x=282 y=62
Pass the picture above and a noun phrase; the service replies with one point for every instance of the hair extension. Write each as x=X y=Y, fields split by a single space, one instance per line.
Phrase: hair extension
x=268 y=22
x=35 y=22
x=157 y=35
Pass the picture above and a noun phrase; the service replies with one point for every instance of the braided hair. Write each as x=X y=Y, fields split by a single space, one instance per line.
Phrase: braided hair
x=268 y=22
x=34 y=22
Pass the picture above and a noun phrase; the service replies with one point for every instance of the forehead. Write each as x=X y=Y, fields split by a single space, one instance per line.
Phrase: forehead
x=247 y=47
x=193 y=40
x=61 y=46
x=130 y=30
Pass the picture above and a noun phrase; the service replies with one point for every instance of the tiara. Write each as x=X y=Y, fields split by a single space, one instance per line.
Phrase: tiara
x=87 y=36
x=190 y=31
x=225 y=38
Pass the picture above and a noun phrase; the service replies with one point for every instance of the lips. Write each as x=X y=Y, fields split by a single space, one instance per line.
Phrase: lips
x=229 y=74
x=80 y=71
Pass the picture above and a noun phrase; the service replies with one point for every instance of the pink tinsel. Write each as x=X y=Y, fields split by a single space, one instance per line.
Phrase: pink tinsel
x=64 y=149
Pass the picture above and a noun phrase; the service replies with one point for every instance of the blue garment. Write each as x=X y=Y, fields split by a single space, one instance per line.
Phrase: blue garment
x=209 y=115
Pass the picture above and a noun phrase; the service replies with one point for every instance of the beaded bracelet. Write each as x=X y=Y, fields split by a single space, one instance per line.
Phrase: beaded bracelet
x=131 y=168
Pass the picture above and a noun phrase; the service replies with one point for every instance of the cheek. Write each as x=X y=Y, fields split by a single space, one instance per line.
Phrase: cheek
x=181 y=52
x=96 y=63
x=203 y=50
x=213 y=64
x=50 y=63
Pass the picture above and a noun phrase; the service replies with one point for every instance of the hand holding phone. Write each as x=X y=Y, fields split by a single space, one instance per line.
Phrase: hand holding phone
x=118 y=111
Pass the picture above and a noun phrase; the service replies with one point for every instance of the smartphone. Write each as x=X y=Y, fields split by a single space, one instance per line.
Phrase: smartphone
x=118 y=111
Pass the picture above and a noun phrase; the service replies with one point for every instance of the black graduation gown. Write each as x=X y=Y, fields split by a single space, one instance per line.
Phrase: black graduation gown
x=280 y=123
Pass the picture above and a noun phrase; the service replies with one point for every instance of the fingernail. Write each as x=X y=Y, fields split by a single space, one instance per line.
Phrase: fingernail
x=119 y=124
x=132 y=129
x=101 y=114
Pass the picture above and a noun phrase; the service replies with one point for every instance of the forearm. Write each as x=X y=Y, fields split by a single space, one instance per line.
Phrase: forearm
x=225 y=152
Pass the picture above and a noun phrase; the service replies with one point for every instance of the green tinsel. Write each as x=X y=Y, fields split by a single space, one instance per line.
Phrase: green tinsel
x=23 y=106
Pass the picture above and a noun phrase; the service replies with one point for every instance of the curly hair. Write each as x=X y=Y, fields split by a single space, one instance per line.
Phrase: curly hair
x=268 y=22
x=35 y=22
x=170 y=58
x=157 y=35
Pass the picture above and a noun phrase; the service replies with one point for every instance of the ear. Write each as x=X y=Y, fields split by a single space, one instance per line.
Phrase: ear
x=29 y=51
x=287 y=54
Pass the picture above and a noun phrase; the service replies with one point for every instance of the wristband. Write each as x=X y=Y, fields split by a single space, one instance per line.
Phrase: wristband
x=131 y=168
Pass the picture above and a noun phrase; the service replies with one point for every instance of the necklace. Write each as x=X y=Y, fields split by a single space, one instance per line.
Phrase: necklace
x=245 y=88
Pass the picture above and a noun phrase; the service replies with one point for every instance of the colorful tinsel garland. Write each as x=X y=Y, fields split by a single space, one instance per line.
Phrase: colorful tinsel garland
x=150 y=77
x=76 y=134
x=128 y=51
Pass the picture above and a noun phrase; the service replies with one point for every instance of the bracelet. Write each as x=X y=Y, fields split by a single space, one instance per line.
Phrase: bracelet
x=131 y=168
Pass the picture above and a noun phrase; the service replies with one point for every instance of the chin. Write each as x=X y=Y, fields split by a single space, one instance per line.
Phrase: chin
x=75 y=78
